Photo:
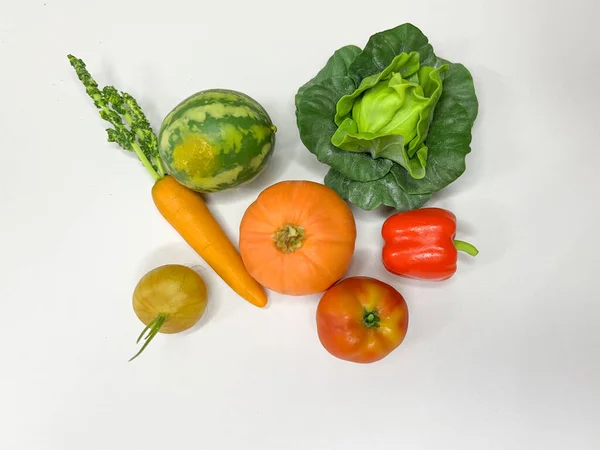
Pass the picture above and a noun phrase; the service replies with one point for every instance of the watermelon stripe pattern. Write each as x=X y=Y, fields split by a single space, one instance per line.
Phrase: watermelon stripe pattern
x=216 y=140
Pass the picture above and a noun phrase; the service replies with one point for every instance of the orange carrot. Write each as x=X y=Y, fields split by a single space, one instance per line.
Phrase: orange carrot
x=188 y=214
x=183 y=208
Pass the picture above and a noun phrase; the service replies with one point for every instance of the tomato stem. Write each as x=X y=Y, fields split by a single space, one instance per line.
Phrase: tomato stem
x=153 y=328
x=463 y=246
x=371 y=319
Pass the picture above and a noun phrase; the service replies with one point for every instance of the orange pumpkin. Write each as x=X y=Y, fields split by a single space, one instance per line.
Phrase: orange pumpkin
x=298 y=237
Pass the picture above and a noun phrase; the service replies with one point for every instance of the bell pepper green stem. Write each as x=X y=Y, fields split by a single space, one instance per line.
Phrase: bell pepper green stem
x=463 y=246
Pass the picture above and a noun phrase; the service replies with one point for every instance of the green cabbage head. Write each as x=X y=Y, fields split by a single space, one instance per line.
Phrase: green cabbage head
x=389 y=114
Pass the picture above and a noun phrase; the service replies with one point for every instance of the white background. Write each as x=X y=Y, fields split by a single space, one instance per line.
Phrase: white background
x=505 y=355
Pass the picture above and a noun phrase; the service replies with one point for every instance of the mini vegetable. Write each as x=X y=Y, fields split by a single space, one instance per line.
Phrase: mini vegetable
x=420 y=244
x=168 y=299
x=393 y=120
x=298 y=237
x=184 y=209
x=362 y=320
x=216 y=139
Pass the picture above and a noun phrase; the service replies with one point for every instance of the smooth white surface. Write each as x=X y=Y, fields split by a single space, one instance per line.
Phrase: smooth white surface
x=503 y=356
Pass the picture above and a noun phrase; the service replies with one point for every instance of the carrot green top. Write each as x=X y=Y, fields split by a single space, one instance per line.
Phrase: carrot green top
x=131 y=129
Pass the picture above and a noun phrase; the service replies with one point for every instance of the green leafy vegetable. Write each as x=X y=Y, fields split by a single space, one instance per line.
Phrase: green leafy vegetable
x=389 y=114
x=318 y=103
x=131 y=129
x=372 y=194
x=392 y=121
x=449 y=135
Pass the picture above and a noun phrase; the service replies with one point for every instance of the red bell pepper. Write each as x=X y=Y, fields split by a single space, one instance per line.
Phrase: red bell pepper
x=420 y=244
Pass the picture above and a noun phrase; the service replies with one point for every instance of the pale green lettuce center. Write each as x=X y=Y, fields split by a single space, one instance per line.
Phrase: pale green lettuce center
x=389 y=114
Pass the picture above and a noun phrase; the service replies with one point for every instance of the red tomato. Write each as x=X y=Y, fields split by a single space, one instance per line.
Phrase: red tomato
x=362 y=319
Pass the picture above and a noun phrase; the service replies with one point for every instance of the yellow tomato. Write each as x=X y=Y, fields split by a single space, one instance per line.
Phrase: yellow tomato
x=169 y=299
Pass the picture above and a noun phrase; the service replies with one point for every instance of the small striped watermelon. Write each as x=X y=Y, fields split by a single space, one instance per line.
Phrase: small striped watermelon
x=216 y=140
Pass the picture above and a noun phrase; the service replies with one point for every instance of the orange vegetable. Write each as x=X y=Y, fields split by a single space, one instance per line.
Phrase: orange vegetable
x=182 y=208
x=188 y=214
x=362 y=320
x=298 y=237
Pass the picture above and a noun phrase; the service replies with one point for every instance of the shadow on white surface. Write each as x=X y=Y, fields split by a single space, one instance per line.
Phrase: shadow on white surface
x=472 y=229
x=360 y=261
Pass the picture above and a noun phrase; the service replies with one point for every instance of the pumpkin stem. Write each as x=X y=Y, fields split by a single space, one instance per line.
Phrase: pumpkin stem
x=289 y=238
